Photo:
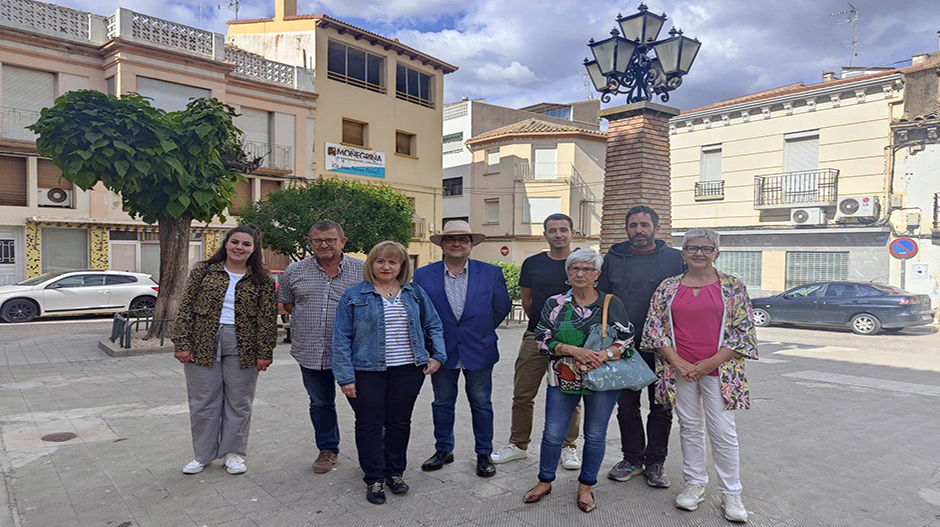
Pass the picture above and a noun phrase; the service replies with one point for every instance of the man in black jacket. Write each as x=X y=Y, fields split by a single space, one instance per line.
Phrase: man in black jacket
x=632 y=271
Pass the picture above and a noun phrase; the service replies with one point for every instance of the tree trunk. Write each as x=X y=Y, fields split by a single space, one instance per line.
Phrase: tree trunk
x=174 y=268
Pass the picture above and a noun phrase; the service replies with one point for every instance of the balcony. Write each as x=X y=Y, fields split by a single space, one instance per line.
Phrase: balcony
x=13 y=123
x=709 y=190
x=806 y=188
x=535 y=171
x=276 y=157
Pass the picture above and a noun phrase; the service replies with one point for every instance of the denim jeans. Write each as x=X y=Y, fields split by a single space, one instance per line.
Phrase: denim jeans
x=641 y=446
x=321 y=387
x=479 y=388
x=596 y=413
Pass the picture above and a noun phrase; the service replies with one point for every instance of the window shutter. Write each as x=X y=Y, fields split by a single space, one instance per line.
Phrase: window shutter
x=745 y=265
x=26 y=89
x=537 y=209
x=50 y=176
x=403 y=143
x=492 y=211
x=268 y=186
x=243 y=191
x=802 y=154
x=809 y=267
x=13 y=181
x=255 y=124
x=353 y=133
x=711 y=164
x=169 y=96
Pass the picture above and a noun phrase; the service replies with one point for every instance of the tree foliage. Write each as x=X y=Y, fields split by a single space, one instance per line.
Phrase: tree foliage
x=161 y=164
x=511 y=272
x=369 y=214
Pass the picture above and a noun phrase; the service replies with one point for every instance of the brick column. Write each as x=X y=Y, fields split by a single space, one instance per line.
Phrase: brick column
x=637 y=169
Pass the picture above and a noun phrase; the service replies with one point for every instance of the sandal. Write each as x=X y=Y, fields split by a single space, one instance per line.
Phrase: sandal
x=532 y=497
x=585 y=506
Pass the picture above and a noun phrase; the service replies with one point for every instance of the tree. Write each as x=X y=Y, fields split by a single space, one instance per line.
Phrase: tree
x=169 y=168
x=369 y=214
x=511 y=273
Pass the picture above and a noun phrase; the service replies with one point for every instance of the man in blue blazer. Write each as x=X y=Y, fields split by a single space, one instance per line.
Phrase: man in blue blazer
x=472 y=300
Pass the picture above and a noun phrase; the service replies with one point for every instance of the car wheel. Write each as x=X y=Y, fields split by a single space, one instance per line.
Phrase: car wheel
x=761 y=318
x=865 y=324
x=146 y=304
x=19 y=310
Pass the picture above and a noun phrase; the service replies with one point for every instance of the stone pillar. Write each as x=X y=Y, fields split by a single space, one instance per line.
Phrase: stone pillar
x=637 y=169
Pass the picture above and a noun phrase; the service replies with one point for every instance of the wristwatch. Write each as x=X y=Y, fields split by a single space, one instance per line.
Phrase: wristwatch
x=610 y=354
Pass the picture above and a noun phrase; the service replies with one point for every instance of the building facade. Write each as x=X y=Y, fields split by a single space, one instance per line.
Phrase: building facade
x=46 y=224
x=525 y=171
x=794 y=179
x=379 y=117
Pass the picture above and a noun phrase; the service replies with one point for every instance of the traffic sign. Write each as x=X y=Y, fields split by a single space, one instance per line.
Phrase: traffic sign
x=504 y=250
x=903 y=248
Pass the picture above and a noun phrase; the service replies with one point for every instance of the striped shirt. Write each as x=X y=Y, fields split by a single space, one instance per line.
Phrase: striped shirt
x=398 y=350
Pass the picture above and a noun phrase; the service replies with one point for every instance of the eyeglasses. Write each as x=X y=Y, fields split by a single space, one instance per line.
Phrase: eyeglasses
x=462 y=240
x=581 y=270
x=705 y=249
x=323 y=241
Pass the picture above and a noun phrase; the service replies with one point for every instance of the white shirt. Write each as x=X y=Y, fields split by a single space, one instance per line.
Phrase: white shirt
x=228 y=304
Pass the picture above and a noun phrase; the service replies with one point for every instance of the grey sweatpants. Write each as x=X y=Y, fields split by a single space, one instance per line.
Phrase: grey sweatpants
x=220 y=400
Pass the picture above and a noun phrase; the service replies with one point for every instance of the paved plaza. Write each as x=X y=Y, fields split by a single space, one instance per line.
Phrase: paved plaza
x=843 y=432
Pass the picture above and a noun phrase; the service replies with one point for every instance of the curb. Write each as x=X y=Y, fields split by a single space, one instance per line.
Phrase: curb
x=114 y=350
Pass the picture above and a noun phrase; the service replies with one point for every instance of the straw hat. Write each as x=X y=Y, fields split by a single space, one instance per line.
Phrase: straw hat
x=458 y=228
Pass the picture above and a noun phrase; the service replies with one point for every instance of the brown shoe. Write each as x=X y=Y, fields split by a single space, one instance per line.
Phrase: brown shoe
x=587 y=506
x=324 y=462
x=534 y=497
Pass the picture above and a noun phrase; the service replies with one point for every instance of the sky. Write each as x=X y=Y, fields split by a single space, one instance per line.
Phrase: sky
x=520 y=52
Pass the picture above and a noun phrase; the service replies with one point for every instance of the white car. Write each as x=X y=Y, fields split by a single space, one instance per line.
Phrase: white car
x=76 y=293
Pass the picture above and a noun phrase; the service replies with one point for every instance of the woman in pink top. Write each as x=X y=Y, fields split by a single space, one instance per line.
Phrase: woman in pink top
x=700 y=325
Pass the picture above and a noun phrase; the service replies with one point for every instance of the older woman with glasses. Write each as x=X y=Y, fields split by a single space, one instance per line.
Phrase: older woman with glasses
x=565 y=324
x=700 y=325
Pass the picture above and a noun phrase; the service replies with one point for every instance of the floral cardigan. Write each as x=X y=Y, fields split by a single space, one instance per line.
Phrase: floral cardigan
x=737 y=333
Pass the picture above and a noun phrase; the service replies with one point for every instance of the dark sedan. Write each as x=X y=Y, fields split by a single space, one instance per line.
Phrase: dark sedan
x=864 y=307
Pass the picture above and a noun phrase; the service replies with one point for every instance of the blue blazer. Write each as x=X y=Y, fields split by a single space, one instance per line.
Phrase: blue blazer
x=472 y=339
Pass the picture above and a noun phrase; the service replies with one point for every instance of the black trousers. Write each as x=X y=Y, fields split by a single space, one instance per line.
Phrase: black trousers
x=384 y=403
x=653 y=446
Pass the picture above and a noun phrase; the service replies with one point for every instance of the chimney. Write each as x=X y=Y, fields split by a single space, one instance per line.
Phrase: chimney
x=829 y=76
x=283 y=8
x=918 y=59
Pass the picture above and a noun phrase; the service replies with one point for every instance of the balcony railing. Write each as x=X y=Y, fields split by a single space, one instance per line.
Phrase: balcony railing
x=807 y=188
x=257 y=66
x=279 y=157
x=709 y=190
x=46 y=17
x=13 y=123
x=544 y=171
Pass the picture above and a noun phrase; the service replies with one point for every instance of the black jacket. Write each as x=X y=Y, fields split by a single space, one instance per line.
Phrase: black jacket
x=634 y=277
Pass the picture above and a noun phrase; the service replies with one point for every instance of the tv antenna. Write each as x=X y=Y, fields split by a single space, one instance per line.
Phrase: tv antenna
x=852 y=19
x=231 y=6
x=587 y=85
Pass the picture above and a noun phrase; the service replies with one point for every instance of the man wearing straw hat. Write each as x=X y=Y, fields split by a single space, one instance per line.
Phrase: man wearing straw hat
x=471 y=298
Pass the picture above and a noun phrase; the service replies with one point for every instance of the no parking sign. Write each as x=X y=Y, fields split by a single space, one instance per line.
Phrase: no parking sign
x=903 y=248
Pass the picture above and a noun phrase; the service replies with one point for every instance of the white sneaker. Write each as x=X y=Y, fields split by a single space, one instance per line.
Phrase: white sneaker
x=690 y=497
x=734 y=507
x=235 y=464
x=508 y=453
x=194 y=467
x=569 y=458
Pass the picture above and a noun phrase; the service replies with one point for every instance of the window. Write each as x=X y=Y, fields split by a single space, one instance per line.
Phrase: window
x=7 y=252
x=354 y=133
x=492 y=161
x=745 y=265
x=50 y=176
x=112 y=86
x=711 y=163
x=13 y=181
x=25 y=92
x=807 y=291
x=802 y=157
x=64 y=249
x=413 y=86
x=492 y=210
x=546 y=163
x=455 y=218
x=256 y=124
x=535 y=210
x=355 y=67
x=453 y=186
x=242 y=197
x=841 y=290
x=114 y=279
x=453 y=138
x=808 y=267
x=864 y=290
x=561 y=113
x=405 y=143
x=169 y=96
x=268 y=186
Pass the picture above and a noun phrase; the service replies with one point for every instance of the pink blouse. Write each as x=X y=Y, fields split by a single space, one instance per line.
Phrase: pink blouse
x=697 y=322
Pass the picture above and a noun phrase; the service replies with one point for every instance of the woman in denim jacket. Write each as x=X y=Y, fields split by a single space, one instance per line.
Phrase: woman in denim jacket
x=387 y=337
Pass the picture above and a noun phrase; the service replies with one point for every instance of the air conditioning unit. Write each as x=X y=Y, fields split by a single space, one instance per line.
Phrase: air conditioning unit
x=808 y=216
x=861 y=207
x=55 y=197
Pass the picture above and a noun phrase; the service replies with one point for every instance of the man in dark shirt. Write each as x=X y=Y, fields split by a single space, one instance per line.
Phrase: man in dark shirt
x=632 y=271
x=543 y=275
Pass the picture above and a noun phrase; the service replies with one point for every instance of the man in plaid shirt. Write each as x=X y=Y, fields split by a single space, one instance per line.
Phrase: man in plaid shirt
x=310 y=290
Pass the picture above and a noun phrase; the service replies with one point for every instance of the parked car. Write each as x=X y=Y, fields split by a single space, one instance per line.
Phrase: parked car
x=77 y=293
x=867 y=308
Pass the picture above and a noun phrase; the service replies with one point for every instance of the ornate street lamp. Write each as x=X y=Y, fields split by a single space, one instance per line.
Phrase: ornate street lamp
x=623 y=63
